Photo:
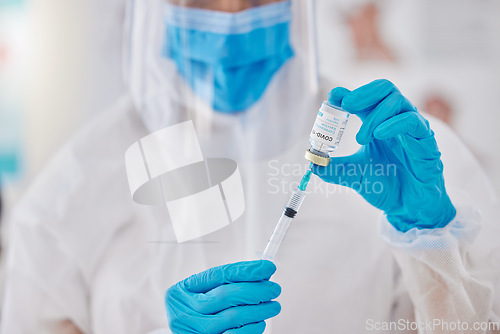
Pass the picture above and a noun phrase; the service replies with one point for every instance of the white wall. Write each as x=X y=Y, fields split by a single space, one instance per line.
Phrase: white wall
x=73 y=72
x=469 y=78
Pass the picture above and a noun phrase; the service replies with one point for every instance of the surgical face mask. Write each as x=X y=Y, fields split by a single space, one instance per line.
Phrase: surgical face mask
x=228 y=59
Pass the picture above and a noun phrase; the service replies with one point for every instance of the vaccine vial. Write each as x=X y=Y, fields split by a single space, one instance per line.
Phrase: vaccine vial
x=326 y=133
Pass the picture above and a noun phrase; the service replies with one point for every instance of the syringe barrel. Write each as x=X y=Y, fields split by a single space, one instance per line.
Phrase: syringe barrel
x=277 y=238
x=291 y=209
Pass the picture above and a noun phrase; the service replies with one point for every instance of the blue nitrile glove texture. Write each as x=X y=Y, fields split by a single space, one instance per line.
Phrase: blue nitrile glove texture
x=230 y=299
x=398 y=167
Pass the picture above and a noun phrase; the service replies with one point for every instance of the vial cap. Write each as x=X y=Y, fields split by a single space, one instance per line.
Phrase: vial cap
x=317 y=159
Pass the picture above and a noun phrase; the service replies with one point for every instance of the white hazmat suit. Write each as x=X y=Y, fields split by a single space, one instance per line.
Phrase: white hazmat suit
x=83 y=252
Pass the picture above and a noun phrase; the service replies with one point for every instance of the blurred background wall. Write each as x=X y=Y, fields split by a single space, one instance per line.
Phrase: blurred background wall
x=60 y=64
x=444 y=55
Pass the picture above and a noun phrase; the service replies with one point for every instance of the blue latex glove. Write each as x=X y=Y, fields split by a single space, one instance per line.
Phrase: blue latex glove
x=398 y=167
x=230 y=299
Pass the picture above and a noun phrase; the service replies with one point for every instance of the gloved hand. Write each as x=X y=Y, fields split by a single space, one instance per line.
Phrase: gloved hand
x=398 y=167
x=230 y=299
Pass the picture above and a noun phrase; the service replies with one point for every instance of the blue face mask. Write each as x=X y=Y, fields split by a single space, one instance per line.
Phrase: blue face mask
x=228 y=59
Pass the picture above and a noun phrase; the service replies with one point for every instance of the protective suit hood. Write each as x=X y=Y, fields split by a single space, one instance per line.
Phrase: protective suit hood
x=162 y=97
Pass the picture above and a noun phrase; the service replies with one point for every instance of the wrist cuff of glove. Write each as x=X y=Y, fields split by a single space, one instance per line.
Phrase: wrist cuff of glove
x=464 y=227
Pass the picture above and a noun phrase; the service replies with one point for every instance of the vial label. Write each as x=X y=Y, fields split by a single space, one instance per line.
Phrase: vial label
x=328 y=128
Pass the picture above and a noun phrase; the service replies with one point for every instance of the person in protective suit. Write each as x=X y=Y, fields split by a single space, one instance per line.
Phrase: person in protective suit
x=85 y=258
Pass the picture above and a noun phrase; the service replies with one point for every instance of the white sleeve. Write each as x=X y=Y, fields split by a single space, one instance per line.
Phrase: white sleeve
x=45 y=292
x=445 y=283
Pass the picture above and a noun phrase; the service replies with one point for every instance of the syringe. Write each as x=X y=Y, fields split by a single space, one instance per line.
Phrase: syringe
x=324 y=138
x=291 y=209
